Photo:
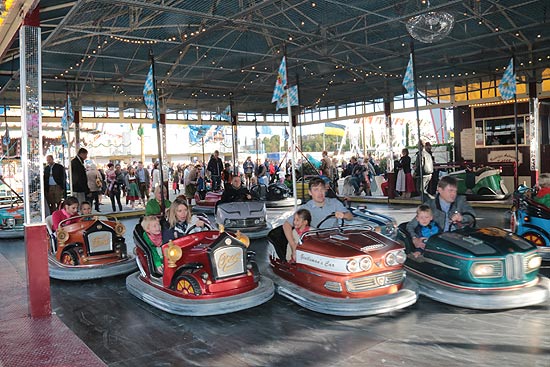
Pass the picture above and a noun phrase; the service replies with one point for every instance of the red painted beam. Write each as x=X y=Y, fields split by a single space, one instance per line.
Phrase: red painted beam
x=38 y=277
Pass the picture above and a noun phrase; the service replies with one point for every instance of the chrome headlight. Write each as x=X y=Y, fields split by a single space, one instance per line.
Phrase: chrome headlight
x=395 y=258
x=365 y=263
x=391 y=259
x=62 y=235
x=10 y=222
x=390 y=230
x=352 y=266
x=400 y=256
x=491 y=269
x=534 y=263
x=120 y=229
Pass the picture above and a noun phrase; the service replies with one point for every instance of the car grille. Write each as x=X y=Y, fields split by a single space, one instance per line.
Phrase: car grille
x=19 y=221
x=497 y=268
x=250 y=222
x=515 y=266
x=375 y=281
x=228 y=261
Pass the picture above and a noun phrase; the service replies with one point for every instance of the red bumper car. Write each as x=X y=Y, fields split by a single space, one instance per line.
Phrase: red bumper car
x=91 y=248
x=347 y=271
x=206 y=203
x=205 y=273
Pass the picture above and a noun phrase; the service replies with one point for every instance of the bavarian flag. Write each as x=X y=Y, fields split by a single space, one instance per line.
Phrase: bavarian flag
x=149 y=94
x=280 y=84
x=507 y=85
x=334 y=129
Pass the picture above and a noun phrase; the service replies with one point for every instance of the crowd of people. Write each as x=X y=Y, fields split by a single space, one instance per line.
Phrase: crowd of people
x=134 y=183
x=443 y=212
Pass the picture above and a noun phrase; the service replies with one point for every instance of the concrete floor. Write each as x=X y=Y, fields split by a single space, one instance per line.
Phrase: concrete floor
x=124 y=331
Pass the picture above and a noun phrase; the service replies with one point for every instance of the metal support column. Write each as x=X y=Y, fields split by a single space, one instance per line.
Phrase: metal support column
x=534 y=137
x=36 y=238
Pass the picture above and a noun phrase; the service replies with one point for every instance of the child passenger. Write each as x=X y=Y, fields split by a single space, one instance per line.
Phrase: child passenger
x=68 y=210
x=153 y=237
x=302 y=219
x=543 y=196
x=86 y=210
x=426 y=227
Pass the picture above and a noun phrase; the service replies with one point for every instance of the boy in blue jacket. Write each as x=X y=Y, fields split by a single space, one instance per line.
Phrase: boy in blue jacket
x=426 y=228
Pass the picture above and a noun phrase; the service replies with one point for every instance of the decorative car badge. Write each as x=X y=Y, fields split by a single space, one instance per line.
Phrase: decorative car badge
x=372 y=247
x=228 y=241
x=99 y=226
x=381 y=280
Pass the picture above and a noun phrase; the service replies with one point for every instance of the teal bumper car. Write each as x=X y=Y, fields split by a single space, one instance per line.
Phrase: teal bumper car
x=482 y=184
x=483 y=268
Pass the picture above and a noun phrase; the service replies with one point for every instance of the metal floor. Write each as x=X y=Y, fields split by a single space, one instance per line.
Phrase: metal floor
x=124 y=331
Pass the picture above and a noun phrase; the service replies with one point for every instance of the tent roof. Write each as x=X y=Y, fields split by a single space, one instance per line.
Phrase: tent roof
x=206 y=50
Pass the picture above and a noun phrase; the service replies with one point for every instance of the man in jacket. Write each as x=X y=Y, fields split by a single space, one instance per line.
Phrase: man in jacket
x=235 y=192
x=248 y=168
x=54 y=183
x=450 y=211
x=78 y=174
x=215 y=166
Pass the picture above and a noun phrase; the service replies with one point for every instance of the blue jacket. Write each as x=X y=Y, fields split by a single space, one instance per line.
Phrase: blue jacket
x=427 y=231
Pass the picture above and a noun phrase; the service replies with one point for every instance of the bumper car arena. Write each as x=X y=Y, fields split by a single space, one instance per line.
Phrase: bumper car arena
x=128 y=320
x=414 y=135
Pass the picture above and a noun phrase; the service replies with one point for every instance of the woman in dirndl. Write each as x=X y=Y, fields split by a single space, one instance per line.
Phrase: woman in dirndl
x=133 y=189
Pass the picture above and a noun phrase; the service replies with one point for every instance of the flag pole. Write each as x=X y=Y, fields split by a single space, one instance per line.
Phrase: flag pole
x=516 y=179
x=420 y=147
x=235 y=151
x=69 y=152
x=299 y=111
x=159 y=140
x=291 y=136
x=257 y=136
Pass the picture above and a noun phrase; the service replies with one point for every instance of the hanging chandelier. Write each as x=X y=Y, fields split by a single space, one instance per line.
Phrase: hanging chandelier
x=430 y=27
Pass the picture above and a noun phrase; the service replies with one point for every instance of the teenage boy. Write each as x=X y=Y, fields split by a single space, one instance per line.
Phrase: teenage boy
x=320 y=207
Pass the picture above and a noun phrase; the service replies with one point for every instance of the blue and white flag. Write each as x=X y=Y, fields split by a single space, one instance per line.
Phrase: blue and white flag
x=293 y=98
x=63 y=139
x=507 y=86
x=226 y=114
x=286 y=136
x=197 y=132
x=408 y=80
x=214 y=133
x=70 y=113
x=6 y=138
x=64 y=122
x=149 y=93
x=280 y=84
x=257 y=133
